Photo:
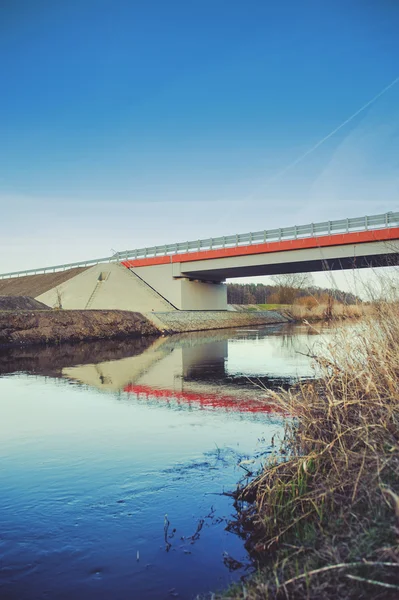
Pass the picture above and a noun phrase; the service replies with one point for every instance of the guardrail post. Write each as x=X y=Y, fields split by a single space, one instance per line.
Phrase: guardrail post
x=347 y=225
x=279 y=234
x=236 y=240
x=365 y=222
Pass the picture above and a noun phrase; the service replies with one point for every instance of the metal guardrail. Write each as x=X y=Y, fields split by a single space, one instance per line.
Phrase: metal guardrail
x=381 y=221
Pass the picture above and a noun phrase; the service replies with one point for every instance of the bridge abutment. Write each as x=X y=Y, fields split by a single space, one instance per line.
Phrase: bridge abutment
x=181 y=291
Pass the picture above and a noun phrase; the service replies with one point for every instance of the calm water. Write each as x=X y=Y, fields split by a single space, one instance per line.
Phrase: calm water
x=114 y=458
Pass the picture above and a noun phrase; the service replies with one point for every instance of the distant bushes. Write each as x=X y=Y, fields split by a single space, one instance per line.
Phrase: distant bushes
x=252 y=293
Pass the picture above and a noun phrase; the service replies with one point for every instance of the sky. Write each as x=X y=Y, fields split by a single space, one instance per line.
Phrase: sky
x=127 y=123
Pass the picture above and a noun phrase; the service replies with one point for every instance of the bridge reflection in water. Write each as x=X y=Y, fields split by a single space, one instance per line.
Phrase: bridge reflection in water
x=101 y=440
x=224 y=369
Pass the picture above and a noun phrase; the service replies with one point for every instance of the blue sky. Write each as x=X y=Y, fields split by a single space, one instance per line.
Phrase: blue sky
x=130 y=123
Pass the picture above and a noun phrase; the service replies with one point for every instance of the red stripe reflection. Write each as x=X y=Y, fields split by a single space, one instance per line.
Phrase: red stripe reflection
x=205 y=400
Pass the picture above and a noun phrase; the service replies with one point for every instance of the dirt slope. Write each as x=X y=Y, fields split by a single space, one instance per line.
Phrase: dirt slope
x=21 y=303
x=57 y=326
x=34 y=285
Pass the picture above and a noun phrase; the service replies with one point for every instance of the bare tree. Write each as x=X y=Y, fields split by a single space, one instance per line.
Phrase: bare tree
x=58 y=303
x=289 y=285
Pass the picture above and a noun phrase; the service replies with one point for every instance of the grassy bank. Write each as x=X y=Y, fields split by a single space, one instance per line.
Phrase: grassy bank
x=327 y=312
x=324 y=521
x=313 y=311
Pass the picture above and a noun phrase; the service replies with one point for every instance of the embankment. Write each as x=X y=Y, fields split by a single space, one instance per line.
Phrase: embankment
x=22 y=327
x=12 y=303
x=185 y=320
x=57 y=326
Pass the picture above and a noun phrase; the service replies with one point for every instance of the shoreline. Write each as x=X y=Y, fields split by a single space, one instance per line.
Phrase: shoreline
x=321 y=517
x=53 y=327
x=50 y=327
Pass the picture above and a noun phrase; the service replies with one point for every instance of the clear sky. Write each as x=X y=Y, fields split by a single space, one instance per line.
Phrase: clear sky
x=127 y=123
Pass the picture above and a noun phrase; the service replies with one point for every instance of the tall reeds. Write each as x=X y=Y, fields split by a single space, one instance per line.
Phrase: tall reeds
x=324 y=520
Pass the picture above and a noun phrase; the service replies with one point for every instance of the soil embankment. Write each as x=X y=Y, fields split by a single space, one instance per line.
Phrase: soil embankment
x=39 y=325
x=53 y=326
x=21 y=303
x=35 y=285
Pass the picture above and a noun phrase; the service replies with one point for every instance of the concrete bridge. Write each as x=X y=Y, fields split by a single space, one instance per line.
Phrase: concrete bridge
x=191 y=275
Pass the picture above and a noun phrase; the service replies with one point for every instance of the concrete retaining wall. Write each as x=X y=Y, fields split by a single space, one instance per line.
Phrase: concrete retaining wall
x=105 y=287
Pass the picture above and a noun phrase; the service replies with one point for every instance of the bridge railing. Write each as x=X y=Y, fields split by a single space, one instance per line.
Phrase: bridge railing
x=380 y=221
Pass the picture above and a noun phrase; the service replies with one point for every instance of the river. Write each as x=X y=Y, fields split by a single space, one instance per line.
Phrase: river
x=115 y=456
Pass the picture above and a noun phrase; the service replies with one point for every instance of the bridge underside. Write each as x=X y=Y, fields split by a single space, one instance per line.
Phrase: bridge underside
x=198 y=284
x=350 y=256
x=190 y=282
x=329 y=264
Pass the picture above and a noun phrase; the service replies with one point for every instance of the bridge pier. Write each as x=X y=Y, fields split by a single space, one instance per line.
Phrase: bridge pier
x=183 y=292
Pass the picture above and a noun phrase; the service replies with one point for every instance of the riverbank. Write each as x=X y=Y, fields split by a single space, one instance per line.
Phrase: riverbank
x=323 y=522
x=20 y=328
x=181 y=321
x=312 y=312
x=327 y=312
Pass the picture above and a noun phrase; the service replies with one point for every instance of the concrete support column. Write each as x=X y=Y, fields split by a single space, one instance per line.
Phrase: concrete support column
x=183 y=292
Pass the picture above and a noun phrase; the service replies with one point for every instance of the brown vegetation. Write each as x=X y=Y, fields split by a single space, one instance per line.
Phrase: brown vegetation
x=56 y=326
x=312 y=309
x=324 y=521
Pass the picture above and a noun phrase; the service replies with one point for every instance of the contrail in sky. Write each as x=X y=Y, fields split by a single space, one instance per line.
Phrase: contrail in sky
x=333 y=132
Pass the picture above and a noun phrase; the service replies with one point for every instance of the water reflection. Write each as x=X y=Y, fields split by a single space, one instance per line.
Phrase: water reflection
x=98 y=442
x=202 y=366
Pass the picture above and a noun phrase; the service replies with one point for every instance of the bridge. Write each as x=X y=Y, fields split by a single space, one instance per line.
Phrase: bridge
x=190 y=275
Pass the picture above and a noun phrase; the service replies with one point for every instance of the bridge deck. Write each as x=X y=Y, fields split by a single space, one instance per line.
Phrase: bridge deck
x=325 y=241
x=344 y=231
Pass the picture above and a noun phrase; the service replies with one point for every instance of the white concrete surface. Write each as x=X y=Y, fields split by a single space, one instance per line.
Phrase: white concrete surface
x=105 y=286
x=181 y=292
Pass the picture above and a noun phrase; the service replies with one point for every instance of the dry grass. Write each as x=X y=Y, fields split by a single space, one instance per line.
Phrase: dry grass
x=324 y=523
x=326 y=311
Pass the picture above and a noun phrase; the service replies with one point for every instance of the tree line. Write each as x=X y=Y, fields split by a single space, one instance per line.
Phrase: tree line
x=259 y=293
